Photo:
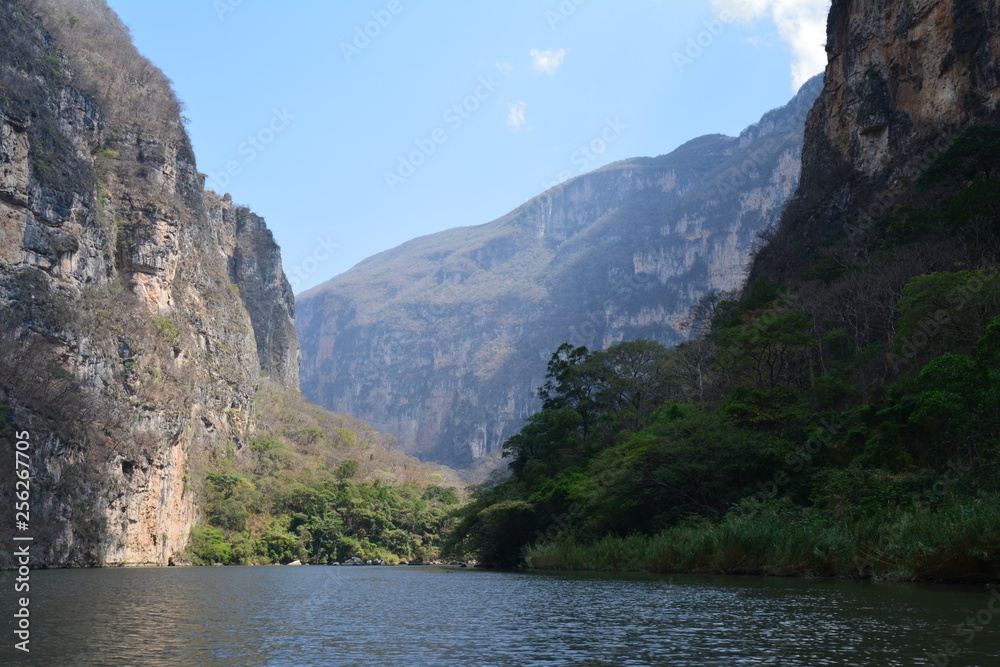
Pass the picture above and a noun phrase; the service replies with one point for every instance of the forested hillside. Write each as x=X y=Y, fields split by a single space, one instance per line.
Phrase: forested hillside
x=843 y=416
x=321 y=488
x=781 y=442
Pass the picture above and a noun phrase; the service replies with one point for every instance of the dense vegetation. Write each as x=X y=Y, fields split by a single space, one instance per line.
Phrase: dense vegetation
x=130 y=89
x=845 y=424
x=320 y=488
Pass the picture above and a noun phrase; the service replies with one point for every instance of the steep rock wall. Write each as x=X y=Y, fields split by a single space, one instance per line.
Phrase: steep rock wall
x=443 y=340
x=904 y=78
x=254 y=266
x=128 y=352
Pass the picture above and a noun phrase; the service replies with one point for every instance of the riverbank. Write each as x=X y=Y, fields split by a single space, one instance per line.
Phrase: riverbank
x=954 y=543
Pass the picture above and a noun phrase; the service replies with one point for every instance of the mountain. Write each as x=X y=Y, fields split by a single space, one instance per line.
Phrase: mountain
x=842 y=417
x=443 y=340
x=138 y=313
x=904 y=79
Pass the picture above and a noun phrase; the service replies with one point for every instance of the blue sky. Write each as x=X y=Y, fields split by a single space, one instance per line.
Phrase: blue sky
x=355 y=126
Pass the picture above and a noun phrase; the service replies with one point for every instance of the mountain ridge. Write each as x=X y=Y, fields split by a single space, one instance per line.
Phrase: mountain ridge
x=504 y=281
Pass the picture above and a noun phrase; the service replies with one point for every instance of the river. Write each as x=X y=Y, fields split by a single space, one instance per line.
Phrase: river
x=451 y=616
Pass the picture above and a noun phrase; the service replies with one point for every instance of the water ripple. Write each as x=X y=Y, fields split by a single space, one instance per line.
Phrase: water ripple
x=281 y=617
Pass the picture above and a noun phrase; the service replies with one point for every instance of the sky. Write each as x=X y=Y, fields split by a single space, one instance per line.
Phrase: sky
x=355 y=126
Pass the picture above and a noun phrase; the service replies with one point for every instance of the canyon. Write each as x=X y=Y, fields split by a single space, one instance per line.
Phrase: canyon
x=443 y=341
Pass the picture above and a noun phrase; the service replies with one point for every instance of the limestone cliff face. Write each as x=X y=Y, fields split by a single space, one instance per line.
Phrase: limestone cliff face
x=254 y=264
x=443 y=340
x=904 y=78
x=134 y=325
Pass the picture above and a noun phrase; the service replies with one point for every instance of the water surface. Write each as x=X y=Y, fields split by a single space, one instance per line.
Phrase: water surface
x=451 y=616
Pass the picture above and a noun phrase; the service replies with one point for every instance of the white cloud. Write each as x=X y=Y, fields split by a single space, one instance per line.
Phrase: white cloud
x=758 y=42
x=515 y=115
x=546 y=62
x=801 y=23
x=504 y=67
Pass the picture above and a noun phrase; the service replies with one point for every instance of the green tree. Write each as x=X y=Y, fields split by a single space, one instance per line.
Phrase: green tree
x=961 y=394
x=208 y=545
x=769 y=352
x=547 y=435
x=689 y=462
x=231 y=501
x=570 y=383
x=445 y=496
x=944 y=311
x=494 y=529
x=348 y=469
x=973 y=155
x=951 y=408
x=278 y=544
x=635 y=378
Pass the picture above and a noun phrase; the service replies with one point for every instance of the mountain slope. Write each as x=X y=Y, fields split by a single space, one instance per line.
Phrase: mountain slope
x=903 y=80
x=443 y=340
x=842 y=418
x=136 y=322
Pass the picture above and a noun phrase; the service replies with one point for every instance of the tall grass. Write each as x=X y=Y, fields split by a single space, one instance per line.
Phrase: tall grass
x=956 y=542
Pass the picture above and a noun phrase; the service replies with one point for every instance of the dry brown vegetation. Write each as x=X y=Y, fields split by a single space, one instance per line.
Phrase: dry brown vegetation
x=104 y=63
x=315 y=441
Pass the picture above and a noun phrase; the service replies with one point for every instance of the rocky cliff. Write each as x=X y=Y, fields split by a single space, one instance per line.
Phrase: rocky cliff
x=254 y=266
x=443 y=340
x=138 y=313
x=904 y=78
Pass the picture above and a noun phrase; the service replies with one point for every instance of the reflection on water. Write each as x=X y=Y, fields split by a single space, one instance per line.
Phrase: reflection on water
x=450 y=616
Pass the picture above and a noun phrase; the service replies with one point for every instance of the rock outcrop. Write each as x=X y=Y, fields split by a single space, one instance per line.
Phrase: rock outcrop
x=254 y=263
x=137 y=313
x=905 y=77
x=443 y=340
